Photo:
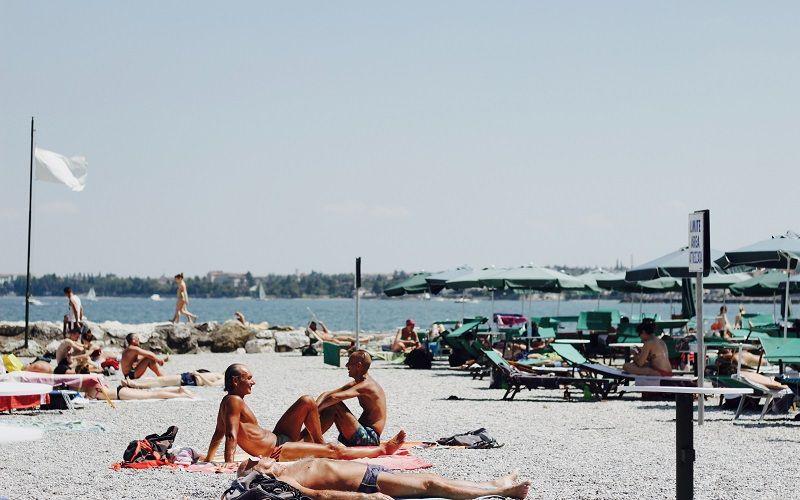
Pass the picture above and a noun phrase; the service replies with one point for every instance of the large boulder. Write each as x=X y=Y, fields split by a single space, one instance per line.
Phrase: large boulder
x=229 y=337
x=33 y=350
x=294 y=339
x=11 y=329
x=181 y=338
x=254 y=346
x=119 y=330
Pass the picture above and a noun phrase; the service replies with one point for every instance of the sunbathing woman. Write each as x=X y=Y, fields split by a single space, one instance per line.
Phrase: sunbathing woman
x=200 y=378
x=340 y=479
x=122 y=393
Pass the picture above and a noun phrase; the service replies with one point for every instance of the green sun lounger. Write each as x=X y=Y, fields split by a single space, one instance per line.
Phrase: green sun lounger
x=587 y=369
x=781 y=351
x=596 y=321
x=331 y=353
x=759 y=391
x=515 y=379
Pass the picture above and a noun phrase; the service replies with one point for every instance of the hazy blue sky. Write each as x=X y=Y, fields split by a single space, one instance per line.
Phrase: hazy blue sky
x=420 y=135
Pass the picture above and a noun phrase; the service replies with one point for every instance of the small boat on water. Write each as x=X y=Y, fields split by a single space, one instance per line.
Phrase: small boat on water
x=262 y=295
x=465 y=300
x=156 y=297
x=92 y=295
x=35 y=302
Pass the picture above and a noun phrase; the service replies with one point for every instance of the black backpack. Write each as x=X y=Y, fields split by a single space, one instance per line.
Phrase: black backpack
x=257 y=486
x=152 y=447
x=419 y=359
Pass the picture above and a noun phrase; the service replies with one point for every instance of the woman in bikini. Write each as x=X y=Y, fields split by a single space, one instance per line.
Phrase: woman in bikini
x=182 y=301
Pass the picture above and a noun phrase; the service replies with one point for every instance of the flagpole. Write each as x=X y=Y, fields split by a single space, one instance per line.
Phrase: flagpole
x=28 y=274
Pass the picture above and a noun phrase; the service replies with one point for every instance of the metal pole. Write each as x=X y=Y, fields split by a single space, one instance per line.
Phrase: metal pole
x=28 y=273
x=701 y=349
x=786 y=303
x=358 y=321
x=684 y=447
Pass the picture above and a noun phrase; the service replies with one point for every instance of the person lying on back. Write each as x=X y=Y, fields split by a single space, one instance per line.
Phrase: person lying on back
x=321 y=478
x=135 y=360
x=653 y=357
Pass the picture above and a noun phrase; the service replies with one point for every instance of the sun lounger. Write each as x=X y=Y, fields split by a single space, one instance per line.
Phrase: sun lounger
x=759 y=391
x=331 y=353
x=595 y=321
x=781 y=351
x=515 y=380
x=618 y=377
x=460 y=339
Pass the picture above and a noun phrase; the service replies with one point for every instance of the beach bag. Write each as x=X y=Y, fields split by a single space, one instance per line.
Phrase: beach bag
x=12 y=363
x=476 y=440
x=152 y=447
x=419 y=359
x=257 y=486
x=310 y=351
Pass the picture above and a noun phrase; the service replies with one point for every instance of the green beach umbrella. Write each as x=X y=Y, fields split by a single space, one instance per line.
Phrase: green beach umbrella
x=534 y=278
x=764 y=285
x=438 y=281
x=672 y=265
x=617 y=282
x=474 y=279
x=414 y=284
x=721 y=281
x=777 y=252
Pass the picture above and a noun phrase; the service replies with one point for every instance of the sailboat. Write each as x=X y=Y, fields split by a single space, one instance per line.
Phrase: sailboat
x=156 y=297
x=261 y=294
x=92 y=295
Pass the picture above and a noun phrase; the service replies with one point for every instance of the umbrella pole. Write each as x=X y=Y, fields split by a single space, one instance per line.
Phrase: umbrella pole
x=774 y=314
x=786 y=303
x=463 y=300
x=492 y=303
x=598 y=301
x=641 y=303
x=558 y=305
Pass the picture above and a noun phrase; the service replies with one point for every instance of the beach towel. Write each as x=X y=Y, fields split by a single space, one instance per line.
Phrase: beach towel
x=76 y=382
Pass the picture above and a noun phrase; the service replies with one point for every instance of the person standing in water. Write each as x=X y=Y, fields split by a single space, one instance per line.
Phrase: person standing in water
x=182 y=302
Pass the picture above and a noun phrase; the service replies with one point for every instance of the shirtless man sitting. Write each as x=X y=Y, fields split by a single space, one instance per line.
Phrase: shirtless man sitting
x=70 y=345
x=653 y=357
x=342 y=480
x=237 y=423
x=366 y=431
x=135 y=360
x=406 y=339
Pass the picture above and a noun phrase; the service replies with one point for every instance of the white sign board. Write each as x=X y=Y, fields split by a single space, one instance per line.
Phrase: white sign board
x=696 y=242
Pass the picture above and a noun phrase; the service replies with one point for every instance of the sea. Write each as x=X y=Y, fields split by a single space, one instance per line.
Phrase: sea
x=377 y=315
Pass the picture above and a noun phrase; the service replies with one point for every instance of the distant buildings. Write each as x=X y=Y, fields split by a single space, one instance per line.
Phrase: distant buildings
x=223 y=278
x=6 y=278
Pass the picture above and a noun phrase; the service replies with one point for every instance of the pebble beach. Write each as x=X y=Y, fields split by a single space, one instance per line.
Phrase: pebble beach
x=616 y=449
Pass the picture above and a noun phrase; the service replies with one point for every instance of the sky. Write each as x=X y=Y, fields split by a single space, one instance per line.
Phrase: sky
x=274 y=137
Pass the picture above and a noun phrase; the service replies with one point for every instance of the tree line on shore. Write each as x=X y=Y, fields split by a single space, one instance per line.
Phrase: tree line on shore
x=313 y=284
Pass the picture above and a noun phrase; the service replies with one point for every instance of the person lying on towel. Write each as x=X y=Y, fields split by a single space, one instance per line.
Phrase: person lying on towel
x=366 y=431
x=238 y=425
x=653 y=357
x=198 y=378
x=339 y=479
x=101 y=392
x=135 y=360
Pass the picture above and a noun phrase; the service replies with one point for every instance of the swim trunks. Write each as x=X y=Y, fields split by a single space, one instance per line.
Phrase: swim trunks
x=119 y=388
x=364 y=436
x=188 y=378
x=369 y=483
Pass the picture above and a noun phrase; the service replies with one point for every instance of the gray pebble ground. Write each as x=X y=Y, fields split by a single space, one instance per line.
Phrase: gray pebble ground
x=618 y=449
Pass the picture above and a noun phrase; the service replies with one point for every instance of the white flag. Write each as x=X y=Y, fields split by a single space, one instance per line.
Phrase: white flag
x=52 y=167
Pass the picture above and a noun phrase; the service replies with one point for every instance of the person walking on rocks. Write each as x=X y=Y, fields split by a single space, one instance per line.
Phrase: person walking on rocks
x=183 y=301
x=74 y=316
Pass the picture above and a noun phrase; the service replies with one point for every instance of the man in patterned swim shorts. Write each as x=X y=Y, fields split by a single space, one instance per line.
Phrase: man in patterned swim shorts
x=366 y=431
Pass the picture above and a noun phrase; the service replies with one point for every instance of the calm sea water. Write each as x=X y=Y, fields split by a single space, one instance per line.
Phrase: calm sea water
x=377 y=315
